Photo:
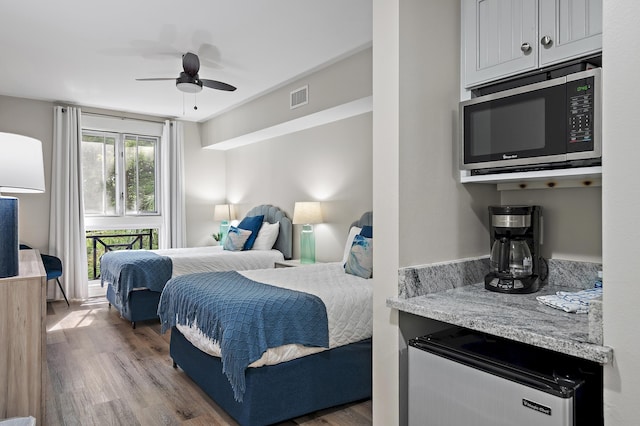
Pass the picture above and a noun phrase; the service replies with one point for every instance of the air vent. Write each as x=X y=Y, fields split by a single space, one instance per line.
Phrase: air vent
x=299 y=97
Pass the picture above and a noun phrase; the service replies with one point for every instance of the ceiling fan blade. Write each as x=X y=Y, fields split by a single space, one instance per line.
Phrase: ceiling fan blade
x=155 y=79
x=191 y=64
x=217 y=85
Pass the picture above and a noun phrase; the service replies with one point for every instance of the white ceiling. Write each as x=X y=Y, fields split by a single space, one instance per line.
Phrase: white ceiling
x=90 y=53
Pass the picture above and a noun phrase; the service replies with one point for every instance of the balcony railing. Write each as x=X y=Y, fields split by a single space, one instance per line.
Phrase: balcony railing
x=99 y=242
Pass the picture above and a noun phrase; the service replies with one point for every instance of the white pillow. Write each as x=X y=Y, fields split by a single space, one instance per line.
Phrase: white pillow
x=267 y=236
x=347 y=247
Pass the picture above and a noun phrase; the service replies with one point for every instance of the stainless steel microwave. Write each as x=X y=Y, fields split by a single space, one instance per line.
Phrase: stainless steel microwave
x=555 y=123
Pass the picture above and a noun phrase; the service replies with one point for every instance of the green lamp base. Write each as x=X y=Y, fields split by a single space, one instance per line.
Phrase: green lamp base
x=307 y=245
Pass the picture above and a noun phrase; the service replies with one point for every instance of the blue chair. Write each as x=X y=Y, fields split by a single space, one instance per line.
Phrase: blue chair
x=53 y=267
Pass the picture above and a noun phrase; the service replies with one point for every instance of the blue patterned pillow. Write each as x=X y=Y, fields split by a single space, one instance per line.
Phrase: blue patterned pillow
x=360 y=260
x=236 y=239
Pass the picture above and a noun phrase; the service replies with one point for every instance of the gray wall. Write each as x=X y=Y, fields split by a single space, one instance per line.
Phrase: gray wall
x=335 y=84
x=572 y=220
x=330 y=163
x=35 y=119
x=205 y=181
x=440 y=219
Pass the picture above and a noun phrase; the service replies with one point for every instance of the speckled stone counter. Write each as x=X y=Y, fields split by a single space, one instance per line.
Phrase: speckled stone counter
x=450 y=298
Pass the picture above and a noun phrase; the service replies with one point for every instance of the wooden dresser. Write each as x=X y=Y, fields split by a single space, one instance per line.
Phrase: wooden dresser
x=23 y=340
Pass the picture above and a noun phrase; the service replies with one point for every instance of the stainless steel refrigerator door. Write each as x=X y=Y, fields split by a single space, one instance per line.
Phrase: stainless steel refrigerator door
x=446 y=393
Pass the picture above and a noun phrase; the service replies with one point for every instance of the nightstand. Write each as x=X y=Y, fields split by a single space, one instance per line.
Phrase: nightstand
x=291 y=263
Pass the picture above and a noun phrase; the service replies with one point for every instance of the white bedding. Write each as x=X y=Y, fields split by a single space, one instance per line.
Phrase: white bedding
x=348 y=299
x=214 y=258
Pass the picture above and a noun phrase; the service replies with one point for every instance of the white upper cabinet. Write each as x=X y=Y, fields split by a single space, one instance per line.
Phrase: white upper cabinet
x=499 y=38
x=569 y=29
x=502 y=38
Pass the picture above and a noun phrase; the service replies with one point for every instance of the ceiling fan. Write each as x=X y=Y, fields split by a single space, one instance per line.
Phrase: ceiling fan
x=189 y=81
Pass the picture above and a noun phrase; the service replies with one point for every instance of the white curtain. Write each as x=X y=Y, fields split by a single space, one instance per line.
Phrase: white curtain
x=66 y=223
x=172 y=234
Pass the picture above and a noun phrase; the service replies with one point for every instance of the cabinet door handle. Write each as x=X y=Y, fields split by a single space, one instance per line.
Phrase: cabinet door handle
x=526 y=47
x=546 y=41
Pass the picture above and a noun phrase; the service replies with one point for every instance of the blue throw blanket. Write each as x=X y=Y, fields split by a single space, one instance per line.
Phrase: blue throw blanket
x=244 y=316
x=129 y=269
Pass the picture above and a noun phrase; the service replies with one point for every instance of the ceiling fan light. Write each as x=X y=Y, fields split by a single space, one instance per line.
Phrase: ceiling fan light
x=189 y=87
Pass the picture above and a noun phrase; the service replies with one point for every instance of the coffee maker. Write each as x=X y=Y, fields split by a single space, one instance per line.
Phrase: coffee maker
x=515 y=263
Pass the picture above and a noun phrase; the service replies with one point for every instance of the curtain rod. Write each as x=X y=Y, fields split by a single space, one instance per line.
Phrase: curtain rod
x=123 y=118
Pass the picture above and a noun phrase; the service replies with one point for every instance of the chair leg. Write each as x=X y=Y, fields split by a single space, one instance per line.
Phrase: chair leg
x=62 y=290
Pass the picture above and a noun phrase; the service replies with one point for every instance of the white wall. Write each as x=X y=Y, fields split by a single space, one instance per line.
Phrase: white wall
x=621 y=203
x=330 y=163
x=35 y=119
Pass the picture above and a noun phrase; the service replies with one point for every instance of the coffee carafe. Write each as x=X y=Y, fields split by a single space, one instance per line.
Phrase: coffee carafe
x=515 y=261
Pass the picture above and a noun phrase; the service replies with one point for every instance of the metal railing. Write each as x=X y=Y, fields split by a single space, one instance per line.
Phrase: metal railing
x=100 y=244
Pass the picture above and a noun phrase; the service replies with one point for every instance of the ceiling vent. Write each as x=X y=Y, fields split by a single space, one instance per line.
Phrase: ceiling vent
x=299 y=97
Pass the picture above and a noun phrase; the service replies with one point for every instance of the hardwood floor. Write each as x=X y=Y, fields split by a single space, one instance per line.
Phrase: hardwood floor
x=103 y=372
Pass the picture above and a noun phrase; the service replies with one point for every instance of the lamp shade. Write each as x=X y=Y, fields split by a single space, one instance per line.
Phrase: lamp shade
x=307 y=212
x=222 y=212
x=21 y=166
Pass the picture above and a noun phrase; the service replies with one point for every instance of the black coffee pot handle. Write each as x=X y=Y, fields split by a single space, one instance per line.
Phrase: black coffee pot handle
x=503 y=262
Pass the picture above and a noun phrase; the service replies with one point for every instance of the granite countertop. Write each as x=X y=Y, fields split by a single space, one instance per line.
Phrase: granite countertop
x=519 y=317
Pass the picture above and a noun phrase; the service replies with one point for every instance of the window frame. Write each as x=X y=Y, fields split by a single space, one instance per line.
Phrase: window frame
x=156 y=171
x=121 y=215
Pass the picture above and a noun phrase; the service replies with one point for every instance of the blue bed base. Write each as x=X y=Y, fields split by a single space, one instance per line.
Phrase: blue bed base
x=283 y=391
x=141 y=306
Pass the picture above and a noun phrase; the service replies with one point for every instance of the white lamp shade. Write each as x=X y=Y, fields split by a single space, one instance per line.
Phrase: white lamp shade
x=222 y=212
x=307 y=212
x=21 y=166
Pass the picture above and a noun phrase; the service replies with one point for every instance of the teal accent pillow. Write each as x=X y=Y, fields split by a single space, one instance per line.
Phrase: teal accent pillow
x=253 y=224
x=236 y=239
x=360 y=259
x=367 y=231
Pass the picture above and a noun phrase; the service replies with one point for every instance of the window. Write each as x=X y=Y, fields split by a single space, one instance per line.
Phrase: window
x=120 y=174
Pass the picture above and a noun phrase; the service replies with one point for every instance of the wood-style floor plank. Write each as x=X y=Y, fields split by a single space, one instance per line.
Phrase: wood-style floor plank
x=101 y=371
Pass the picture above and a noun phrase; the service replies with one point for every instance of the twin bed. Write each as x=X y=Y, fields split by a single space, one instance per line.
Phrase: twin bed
x=272 y=344
x=266 y=344
x=135 y=279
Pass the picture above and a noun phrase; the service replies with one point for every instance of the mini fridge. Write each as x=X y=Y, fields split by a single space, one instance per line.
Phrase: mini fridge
x=462 y=377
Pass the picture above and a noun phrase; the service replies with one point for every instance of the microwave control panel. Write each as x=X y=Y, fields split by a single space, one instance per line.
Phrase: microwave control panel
x=580 y=98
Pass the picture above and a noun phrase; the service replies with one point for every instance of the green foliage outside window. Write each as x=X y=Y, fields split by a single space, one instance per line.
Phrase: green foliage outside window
x=100 y=174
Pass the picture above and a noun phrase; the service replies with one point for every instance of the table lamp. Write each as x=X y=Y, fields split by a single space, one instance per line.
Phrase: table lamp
x=307 y=213
x=21 y=171
x=222 y=214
